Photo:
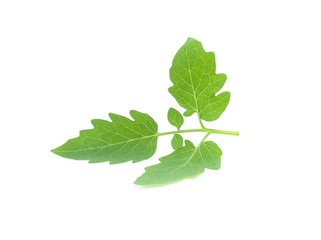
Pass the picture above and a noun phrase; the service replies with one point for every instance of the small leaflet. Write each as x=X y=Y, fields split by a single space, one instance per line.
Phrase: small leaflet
x=177 y=141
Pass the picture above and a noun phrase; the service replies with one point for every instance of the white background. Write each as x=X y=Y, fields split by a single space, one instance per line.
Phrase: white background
x=63 y=63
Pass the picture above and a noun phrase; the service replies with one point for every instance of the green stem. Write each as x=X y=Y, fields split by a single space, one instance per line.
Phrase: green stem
x=200 y=120
x=223 y=132
x=207 y=130
x=207 y=134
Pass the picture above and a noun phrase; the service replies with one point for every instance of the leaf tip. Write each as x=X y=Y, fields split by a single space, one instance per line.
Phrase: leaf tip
x=57 y=151
x=188 y=143
x=139 y=181
x=133 y=112
x=111 y=116
x=188 y=113
x=53 y=150
x=95 y=122
x=190 y=39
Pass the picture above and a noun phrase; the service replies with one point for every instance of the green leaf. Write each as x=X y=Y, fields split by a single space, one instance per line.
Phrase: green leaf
x=185 y=162
x=177 y=141
x=196 y=83
x=118 y=141
x=175 y=118
x=189 y=143
x=195 y=87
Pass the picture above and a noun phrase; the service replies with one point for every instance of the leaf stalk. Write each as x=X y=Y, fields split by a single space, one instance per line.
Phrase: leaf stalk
x=207 y=130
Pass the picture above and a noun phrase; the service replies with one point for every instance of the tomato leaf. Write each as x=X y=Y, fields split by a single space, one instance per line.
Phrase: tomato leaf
x=177 y=141
x=175 y=118
x=196 y=83
x=118 y=141
x=185 y=162
x=195 y=87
